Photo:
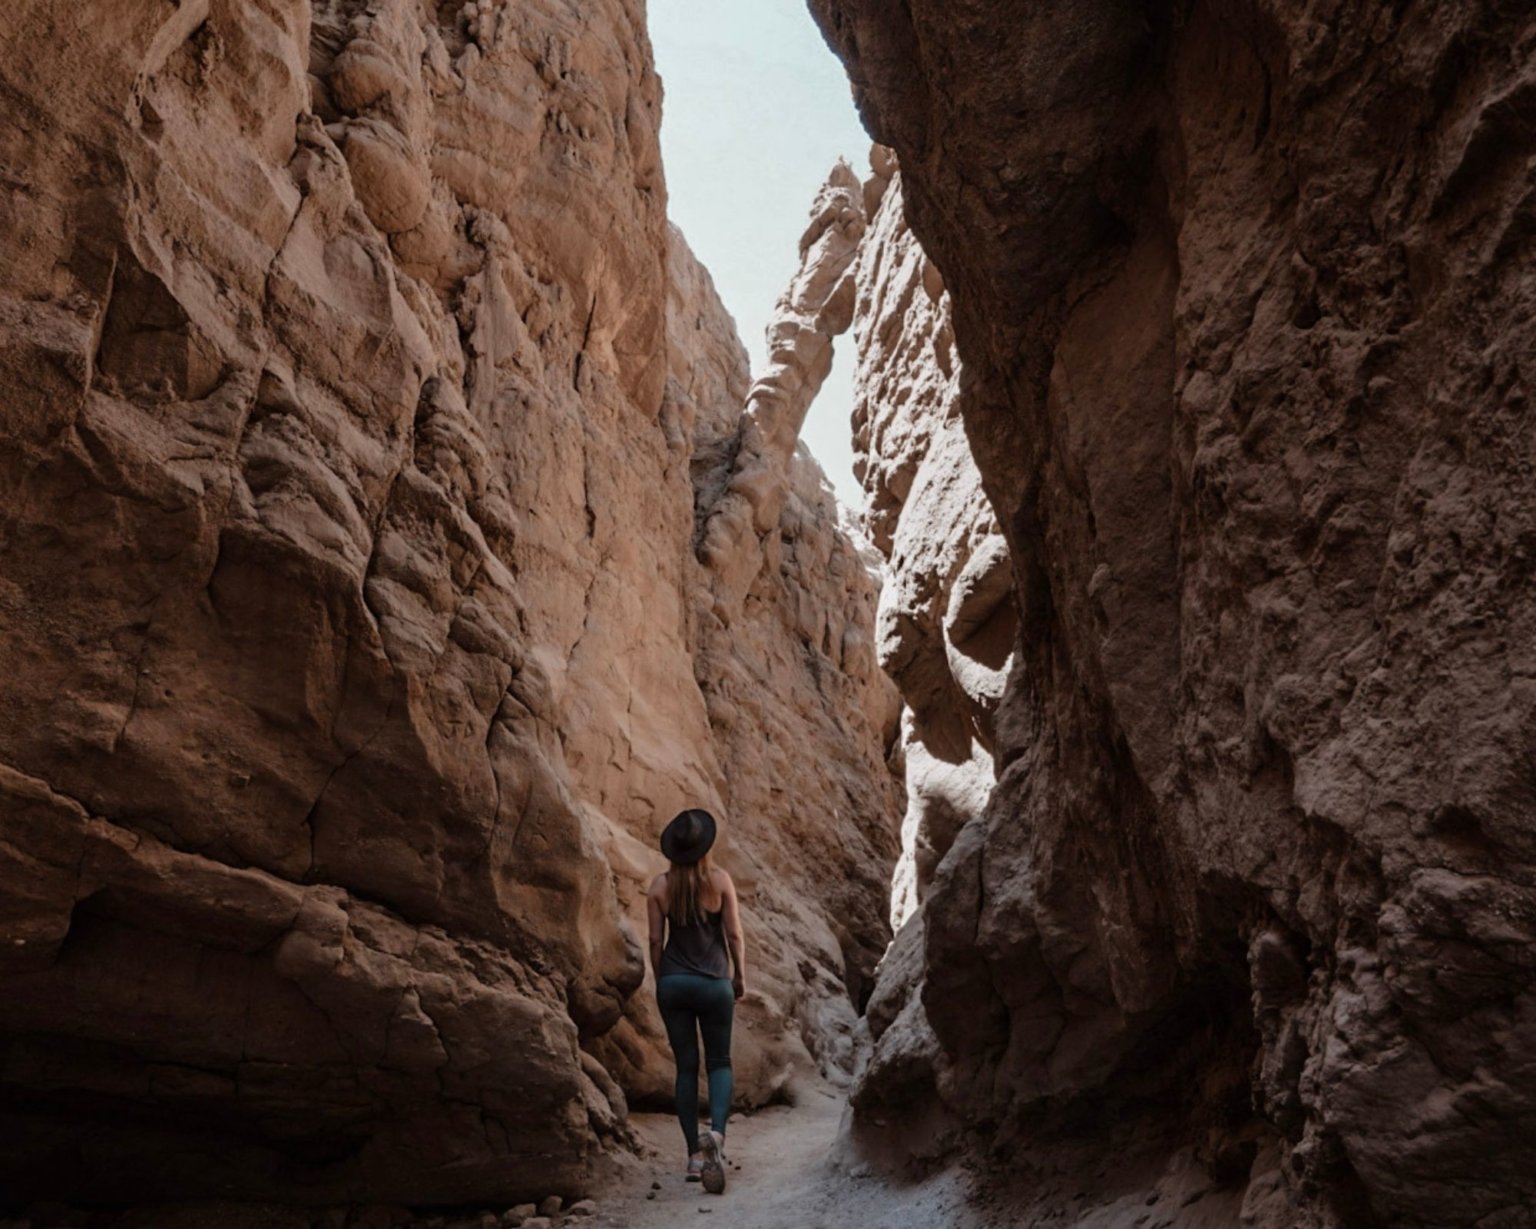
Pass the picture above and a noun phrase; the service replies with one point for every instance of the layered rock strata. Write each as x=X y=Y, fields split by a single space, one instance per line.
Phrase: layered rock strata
x=1242 y=300
x=352 y=617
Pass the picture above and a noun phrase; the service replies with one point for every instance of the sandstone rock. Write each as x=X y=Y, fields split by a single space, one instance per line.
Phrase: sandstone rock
x=353 y=614
x=550 y=1206
x=946 y=622
x=816 y=306
x=1243 y=310
x=582 y=1207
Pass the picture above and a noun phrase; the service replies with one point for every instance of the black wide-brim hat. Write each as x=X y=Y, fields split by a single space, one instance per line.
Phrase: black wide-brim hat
x=688 y=837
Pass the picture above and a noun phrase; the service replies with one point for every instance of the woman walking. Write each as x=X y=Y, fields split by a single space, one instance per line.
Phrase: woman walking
x=696 y=941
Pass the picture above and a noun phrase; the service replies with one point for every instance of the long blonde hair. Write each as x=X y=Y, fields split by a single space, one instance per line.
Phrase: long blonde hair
x=685 y=892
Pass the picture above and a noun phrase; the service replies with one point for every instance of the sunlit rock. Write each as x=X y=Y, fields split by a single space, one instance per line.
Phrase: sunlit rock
x=356 y=644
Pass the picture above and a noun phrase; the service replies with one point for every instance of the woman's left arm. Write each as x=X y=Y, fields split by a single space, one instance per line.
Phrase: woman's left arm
x=657 y=916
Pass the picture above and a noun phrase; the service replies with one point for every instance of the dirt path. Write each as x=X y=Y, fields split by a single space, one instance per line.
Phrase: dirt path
x=783 y=1175
x=786 y=1172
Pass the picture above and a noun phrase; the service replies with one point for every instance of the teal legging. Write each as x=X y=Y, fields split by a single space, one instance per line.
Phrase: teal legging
x=691 y=1005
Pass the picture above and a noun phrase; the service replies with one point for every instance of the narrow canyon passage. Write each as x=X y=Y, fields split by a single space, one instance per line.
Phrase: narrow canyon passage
x=1132 y=803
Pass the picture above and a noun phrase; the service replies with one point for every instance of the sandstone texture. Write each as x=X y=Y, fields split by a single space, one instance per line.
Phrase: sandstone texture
x=742 y=506
x=946 y=626
x=1242 y=305
x=359 y=419
x=945 y=630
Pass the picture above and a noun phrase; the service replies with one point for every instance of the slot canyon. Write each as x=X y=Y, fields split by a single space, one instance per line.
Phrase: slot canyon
x=1133 y=803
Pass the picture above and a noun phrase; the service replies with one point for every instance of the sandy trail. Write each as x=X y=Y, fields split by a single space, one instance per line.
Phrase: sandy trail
x=783 y=1175
x=788 y=1172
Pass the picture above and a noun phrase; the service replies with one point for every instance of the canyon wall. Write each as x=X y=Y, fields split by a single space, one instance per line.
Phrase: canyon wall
x=359 y=416
x=1242 y=302
x=945 y=628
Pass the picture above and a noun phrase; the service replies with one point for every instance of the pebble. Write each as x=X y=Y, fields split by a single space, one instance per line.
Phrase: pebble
x=583 y=1207
x=518 y=1214
x=655 y=1186
x=381 y=1218
x=538 y=1222
x=550 y=1207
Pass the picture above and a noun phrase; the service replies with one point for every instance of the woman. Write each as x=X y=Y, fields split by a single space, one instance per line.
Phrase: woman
x=696 y=942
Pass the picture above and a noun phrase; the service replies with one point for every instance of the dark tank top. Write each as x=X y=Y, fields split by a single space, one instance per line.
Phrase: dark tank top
x=699 y=949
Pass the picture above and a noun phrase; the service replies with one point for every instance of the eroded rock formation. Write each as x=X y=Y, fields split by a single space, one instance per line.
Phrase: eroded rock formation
x=1242 y=297
x=356 y=643
x=945 y=630
x=816 y=307
x=946 y=627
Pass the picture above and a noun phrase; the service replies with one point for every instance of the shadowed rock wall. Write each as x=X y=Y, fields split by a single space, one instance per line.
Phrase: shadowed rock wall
x=1242 y=299
x=351 y=613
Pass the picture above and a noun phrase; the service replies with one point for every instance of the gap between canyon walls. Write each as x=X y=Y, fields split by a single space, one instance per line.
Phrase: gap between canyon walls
x=391 y=544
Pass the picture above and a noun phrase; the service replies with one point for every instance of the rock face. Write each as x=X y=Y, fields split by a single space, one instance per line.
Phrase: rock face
x=1243 y=303
x=816 y=307
x=357 y=645
x=946 y=625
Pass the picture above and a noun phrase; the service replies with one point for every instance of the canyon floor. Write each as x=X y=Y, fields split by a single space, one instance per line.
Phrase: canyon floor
x=790 y=1170
x=785 y=1172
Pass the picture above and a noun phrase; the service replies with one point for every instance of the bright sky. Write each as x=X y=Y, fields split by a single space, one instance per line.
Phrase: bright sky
x=757 y=110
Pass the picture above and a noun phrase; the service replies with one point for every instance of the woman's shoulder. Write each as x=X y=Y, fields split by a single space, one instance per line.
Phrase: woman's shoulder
x=720 y=880
x=658 y=885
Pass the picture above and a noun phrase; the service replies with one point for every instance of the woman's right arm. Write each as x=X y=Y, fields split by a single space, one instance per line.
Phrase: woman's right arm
x=735 y=937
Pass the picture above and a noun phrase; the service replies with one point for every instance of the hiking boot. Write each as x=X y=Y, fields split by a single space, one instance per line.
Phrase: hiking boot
x=695 y=1169
x=712 y=1144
